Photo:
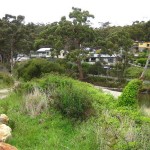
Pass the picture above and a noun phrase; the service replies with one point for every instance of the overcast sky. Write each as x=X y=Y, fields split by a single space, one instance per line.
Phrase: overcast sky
x=118 y=12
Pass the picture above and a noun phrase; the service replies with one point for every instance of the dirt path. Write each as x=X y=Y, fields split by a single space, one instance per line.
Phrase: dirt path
x=4 y=93
x=116 y=94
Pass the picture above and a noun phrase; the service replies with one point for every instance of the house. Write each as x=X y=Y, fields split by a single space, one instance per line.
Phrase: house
x=105 y=58
x=143 y=45
x=41 y=53
x=46 y=53
x=140 y=46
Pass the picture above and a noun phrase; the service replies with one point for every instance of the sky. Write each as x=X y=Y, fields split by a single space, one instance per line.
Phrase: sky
x=117 y=12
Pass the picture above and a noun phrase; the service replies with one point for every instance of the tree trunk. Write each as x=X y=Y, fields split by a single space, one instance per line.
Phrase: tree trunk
x=80 y=70
x=11 y=57
x=1 y=60
x=145 y=68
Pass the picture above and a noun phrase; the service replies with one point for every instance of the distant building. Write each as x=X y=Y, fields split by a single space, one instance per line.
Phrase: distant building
x=107 y=59
x=143 y=45
x=41 y=53
x=140 y=46
x=46 y=53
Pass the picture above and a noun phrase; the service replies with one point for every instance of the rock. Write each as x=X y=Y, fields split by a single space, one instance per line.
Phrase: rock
x=4 y=119
x=4 y=146
x=5 y=132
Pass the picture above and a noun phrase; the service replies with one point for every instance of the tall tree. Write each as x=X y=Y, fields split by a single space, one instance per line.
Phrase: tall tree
x=71 y=35
x=16 y=37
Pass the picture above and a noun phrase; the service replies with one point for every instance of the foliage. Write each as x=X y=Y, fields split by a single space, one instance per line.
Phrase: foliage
x=35 y=68
x=130 y=93
x=6 y=80
x=135 y=72
x=106 y=82
x=71 y=35
x=141 y=61
x=111 y=127
x=70 y=96
x=96 y=69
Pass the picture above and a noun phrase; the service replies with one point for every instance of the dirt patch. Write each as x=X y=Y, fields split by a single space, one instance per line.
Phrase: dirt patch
x=4 y=93
x=116 y=94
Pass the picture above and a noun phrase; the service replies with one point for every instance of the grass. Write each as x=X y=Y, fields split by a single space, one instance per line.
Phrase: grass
x=6 y=80
x=111 y=127
x=49 y=130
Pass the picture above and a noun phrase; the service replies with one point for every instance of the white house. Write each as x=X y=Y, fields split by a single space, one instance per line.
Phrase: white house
x=108 y=59
x=46 y=53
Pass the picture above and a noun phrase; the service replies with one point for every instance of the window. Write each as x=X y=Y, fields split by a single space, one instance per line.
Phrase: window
x=93 y=59
x=110 y=60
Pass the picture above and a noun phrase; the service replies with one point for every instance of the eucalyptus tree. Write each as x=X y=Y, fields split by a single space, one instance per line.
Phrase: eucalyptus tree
x=16 y=37
x=146 y=29
x=121 y=43
x=72 y=35
x=13 y=38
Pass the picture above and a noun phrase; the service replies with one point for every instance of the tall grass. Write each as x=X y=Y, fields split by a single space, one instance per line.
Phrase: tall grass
x=35 y=102
x=5 y=80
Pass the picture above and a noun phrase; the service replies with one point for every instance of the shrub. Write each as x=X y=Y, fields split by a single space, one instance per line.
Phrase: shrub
x=133 y=72
x=71 y=97
x=106 y=82
x=130 y=93
x=35 y=68
x=96 y=69
x=141 y=61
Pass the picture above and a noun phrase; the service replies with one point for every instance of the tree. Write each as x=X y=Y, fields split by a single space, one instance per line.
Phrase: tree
x=16 y=37
x=71 y=35
x=119 y=42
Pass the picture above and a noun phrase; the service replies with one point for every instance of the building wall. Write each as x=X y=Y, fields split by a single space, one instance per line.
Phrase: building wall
x=143 y=45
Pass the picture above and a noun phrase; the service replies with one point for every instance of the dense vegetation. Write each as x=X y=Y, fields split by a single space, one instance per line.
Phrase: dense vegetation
x=73 y=35
x=57 y=112
x=35 y=68
x=135 y=72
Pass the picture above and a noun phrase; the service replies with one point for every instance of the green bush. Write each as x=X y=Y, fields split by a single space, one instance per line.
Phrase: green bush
x=35 y=68
x=133 y=72
x=141 y=61
x=130 y=93
x=106 y=82
x=72 y=98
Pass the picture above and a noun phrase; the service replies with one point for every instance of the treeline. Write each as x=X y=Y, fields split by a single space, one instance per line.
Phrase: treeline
x=71 y=34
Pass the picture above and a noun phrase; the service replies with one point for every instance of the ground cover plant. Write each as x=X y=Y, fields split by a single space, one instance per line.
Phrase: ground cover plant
x=6 y=80
x=65 y=120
